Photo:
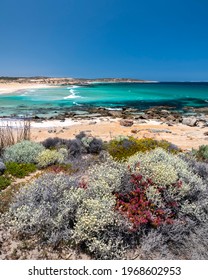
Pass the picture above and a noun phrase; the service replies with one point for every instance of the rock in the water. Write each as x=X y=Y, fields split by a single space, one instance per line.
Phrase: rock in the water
x=126 y=122
x=206 y=133
x=189 y=121
x=2 y=168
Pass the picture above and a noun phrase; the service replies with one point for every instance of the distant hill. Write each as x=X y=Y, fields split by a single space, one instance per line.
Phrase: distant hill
x=66 y=81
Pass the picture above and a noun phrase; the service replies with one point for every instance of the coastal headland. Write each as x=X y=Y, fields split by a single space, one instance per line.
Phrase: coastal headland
x=12 y=84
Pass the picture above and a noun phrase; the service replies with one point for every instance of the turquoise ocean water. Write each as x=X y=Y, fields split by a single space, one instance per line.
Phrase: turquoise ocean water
x=50 y=101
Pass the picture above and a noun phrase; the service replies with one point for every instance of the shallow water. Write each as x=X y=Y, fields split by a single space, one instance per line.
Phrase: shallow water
x=52 y=101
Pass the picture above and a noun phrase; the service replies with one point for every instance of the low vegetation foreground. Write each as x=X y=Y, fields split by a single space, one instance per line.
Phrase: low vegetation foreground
x=85 y=198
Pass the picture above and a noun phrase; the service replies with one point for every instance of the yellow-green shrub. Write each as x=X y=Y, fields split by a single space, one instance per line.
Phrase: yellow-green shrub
x=49 y=157
x=123 y=148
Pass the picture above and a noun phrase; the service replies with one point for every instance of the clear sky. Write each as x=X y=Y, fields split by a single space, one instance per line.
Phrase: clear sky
x=147 y=39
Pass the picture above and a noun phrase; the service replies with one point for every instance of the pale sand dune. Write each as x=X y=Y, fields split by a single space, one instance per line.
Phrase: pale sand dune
x=181 y=135
x=6 y=88
x=106 y=128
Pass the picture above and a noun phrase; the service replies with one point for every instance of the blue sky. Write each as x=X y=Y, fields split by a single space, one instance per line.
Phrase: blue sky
x=164 y=40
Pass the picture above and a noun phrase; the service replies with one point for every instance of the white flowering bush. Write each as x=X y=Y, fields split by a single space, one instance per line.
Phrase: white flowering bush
x=109 y=173
x=97 y=223
x=100 y=228
x=163 y=168
x=94 y=216
x=23 y=152
x=49 y=157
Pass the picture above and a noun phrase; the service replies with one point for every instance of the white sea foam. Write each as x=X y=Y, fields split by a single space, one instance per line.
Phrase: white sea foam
x=113 y=109
x=77 y=104
x=73 y=93
x=25 y=93
x=73 y=87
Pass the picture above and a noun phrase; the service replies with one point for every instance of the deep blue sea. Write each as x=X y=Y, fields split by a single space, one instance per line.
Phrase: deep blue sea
x=49 y=101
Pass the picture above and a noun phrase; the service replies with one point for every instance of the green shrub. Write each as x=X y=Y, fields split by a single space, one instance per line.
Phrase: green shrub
x=4 y=182
x=20 y=170
x=23 y=152
x=122 y=148
x=49 y=157
x=201 y=153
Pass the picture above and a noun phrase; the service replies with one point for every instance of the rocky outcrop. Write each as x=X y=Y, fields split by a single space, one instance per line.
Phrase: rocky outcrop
x=191 y=121
x=200 y=121
x=126 y=122
x=115 y=114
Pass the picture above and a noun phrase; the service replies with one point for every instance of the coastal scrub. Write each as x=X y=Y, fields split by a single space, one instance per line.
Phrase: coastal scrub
x=124 y=147
x=23 y=152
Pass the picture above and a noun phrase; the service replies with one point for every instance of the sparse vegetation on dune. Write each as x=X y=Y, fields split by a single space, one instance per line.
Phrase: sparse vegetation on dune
x=108 y=200
x=14 y=132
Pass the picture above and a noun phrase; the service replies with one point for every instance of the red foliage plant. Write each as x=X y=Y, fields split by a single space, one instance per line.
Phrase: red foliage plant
x=140 y=210
x=61 y=168
x=83 y=183
x=56 y=169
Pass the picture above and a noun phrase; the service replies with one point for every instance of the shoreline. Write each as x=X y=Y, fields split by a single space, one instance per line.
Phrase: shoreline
x=183 y=136
x=187 y=129
x=107 y=128
x=11 y=85
x=6 y=88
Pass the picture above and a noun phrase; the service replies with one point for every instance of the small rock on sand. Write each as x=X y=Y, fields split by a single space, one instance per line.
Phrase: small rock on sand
x=126 y=122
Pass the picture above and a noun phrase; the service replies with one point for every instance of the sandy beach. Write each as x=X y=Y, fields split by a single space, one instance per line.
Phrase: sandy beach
x=184 y=136
x=6 y=88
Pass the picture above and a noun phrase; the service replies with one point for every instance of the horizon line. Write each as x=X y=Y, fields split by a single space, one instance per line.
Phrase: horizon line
x=103 y=78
